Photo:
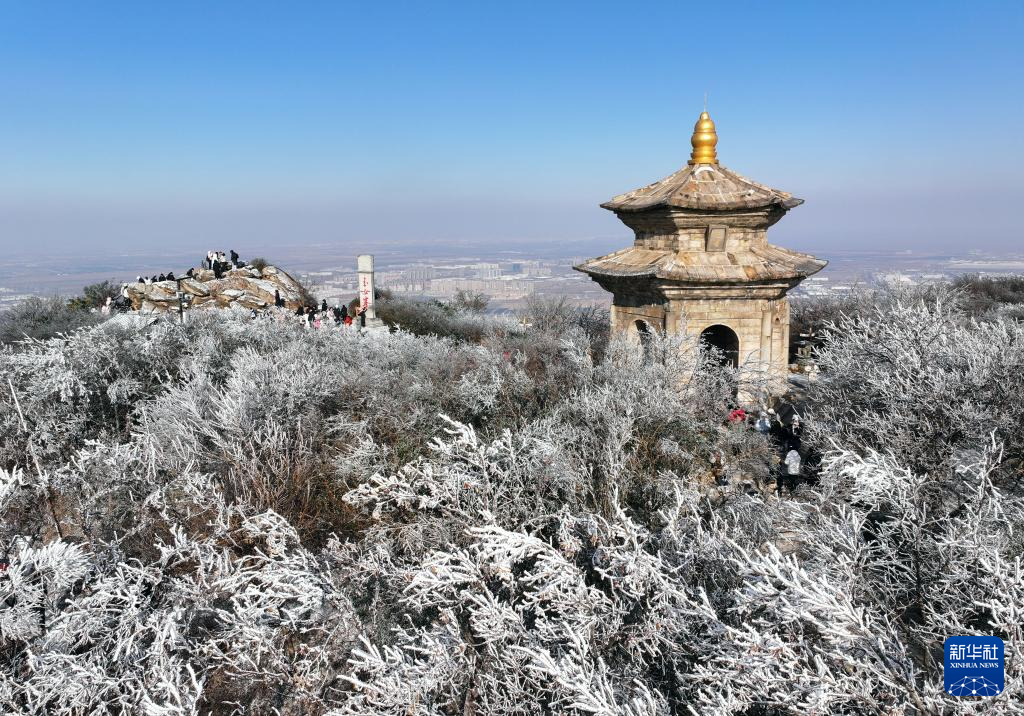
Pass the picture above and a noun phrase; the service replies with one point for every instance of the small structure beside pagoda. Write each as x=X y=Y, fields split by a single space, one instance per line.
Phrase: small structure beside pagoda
x=701 y=263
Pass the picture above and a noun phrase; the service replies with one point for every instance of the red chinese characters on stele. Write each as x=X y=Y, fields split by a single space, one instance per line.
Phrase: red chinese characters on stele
x=364 y=292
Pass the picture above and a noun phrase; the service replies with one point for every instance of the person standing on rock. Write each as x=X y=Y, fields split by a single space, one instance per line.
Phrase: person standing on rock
x=234 y=258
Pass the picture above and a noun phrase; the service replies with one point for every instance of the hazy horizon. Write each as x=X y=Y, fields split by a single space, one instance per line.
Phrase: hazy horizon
x=196 y=125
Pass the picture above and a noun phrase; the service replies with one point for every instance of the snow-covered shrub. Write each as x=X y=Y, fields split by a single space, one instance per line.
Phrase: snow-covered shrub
x=853 y=617
x=513 y=625
x=42 y=318
x=249 y=516
x=229 y=612
x=921 y=381
x=434 y=318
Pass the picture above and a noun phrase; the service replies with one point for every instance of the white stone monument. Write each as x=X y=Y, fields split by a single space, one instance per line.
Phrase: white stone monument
x=366 y=290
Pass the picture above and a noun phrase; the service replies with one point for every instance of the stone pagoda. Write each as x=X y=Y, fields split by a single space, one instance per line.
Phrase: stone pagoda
x=701 y=264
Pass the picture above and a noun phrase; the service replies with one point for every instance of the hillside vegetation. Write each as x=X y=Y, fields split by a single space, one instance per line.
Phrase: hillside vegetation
x=246 y=516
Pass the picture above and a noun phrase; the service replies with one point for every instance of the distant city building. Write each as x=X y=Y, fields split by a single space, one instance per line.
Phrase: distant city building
x=896 y=278
x=536 y=269
x=487 y=270
x=495 y=288
x=419 y=274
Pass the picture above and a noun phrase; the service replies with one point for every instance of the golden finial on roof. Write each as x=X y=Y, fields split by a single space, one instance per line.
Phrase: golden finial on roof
x=704 y=140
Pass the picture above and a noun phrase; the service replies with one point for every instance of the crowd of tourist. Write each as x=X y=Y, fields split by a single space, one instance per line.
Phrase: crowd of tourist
x=220 y=264
x=338 y=316
x=216 y=261
x=784 y=429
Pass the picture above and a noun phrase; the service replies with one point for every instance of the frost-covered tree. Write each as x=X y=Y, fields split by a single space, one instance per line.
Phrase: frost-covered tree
x=41 y=318
x=922 y=381
x=238 y=516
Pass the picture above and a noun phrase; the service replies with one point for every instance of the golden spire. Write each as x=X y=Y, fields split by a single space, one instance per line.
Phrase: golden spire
x=704 y=140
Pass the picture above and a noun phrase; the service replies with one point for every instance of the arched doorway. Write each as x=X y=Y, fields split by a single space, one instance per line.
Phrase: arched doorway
x=725 y=340
x=643 y=329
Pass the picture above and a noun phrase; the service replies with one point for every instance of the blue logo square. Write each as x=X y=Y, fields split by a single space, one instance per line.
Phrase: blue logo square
x=973 y=666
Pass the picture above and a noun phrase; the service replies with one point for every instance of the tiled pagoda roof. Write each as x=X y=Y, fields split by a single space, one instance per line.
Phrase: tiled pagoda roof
x=703 y=187
x=756 y=264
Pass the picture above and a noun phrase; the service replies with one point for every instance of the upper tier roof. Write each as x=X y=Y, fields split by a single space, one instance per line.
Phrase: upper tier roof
x=703 y=184
x=703 y=187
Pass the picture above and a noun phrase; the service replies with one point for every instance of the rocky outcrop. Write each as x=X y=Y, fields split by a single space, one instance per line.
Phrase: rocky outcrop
x=246 y=287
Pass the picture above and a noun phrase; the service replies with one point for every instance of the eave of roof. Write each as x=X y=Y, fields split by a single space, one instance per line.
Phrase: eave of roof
x=757 y=264
x=703 y=187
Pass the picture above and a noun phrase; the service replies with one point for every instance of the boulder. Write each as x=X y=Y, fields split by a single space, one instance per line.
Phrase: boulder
x=248 y=287
x=251 y=301
x=264 y=289
x=248 y=272
x=150 y=306
x=282 y=280
x=194 y=287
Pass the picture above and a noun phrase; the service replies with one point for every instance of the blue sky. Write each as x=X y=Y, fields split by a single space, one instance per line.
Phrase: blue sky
x=900 y=123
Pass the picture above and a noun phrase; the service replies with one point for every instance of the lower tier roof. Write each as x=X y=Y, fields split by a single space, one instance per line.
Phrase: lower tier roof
x=759 y=263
